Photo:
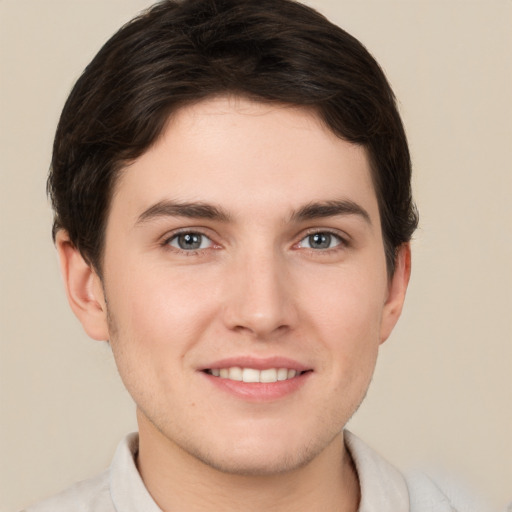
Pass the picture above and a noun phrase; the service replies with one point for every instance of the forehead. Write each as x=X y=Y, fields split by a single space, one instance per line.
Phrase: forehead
x=247 y=156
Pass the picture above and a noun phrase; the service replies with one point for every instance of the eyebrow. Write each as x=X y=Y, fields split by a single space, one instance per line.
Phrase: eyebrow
x=175 y=209
x=199 y=210
x=323 y=209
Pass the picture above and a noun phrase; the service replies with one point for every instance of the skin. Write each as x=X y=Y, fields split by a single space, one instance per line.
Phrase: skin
x=257 y=287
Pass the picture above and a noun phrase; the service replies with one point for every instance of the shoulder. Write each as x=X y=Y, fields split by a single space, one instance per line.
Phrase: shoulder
x=382 y=487
x=86 y=496
x=385 y=488
x=118 y=488
x=442 y=493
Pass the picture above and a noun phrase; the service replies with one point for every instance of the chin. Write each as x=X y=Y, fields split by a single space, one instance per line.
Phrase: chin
x=257 y=464
x=262 y=455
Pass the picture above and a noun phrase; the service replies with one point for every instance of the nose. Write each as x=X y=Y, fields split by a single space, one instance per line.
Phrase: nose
x=260 y=296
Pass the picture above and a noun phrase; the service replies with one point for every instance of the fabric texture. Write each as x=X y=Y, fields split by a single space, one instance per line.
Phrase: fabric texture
x=383 y=487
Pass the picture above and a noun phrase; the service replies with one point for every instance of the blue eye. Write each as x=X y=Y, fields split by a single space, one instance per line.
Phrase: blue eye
x=190 y=241
x=320 y=240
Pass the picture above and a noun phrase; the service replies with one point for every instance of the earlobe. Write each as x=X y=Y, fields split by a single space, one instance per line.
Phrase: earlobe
x=396 y=291
x=84 y=289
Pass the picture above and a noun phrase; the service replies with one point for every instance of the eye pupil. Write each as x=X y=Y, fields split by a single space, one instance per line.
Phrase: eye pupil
x=188 y=241
x=320 y=240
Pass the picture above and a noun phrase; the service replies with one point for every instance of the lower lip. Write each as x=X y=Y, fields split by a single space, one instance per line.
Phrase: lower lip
x=259 y=391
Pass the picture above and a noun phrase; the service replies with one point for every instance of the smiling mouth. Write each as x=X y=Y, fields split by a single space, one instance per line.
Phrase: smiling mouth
x=268 y=375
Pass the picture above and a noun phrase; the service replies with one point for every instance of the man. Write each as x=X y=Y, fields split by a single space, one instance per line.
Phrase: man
x=231 y=186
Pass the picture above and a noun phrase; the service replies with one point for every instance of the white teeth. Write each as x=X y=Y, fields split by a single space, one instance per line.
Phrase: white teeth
x=282 y=374
x=269 y=375
x=235 y=373
x=252 y=375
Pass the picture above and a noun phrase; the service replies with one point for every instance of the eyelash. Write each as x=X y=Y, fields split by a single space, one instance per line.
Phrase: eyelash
x=166 y=243
x=343 y=243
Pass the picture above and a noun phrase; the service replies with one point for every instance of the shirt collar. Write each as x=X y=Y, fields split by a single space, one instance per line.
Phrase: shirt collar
x=128 y=492
x=383 y=488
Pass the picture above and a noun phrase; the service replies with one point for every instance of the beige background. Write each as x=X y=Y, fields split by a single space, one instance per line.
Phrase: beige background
x=442 y=394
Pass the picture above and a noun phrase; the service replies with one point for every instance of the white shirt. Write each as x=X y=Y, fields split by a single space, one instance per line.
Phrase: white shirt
x=121 y=489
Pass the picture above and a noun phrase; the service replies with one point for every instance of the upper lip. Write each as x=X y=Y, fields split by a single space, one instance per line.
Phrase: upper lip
x=258 y=363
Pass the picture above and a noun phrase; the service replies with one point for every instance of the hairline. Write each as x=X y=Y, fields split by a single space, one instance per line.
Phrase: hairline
x=123 y=165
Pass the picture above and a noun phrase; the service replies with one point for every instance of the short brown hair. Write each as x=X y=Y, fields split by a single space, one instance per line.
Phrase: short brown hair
x=179 y=52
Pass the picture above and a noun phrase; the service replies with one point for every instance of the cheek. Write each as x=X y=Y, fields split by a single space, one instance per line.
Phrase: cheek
x=347 y=315
x=347 y=307
x=154 y=323
x=160 y=308
x=162 y=316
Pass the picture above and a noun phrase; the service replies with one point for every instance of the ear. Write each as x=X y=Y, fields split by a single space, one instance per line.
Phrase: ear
x=397 y=288
x=83 y=288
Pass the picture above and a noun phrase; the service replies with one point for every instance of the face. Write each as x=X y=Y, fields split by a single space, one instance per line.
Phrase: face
x=246 y=284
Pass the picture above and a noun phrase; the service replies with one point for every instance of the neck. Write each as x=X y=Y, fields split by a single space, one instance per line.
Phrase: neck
x=179 y=481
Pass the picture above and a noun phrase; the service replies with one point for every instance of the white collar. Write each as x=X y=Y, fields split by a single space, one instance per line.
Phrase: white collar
x=383 y=488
